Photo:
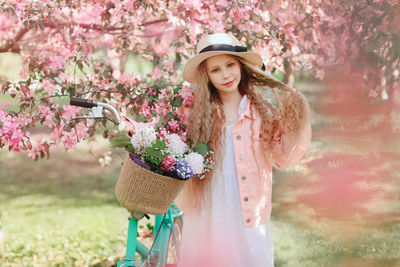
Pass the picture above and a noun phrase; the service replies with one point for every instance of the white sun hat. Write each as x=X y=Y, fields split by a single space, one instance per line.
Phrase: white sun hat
x=218 y=44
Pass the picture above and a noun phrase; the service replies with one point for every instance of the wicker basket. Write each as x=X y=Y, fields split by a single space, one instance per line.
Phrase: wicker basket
x=140 y=190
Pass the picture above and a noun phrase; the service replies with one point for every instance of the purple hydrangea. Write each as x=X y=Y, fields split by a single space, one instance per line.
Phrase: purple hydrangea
x=183 y=169
x=139 y=161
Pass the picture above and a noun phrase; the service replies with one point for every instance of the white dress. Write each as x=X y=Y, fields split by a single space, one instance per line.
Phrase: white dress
x=215 y=236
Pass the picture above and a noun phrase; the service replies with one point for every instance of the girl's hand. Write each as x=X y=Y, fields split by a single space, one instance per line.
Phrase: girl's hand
x=128 y=125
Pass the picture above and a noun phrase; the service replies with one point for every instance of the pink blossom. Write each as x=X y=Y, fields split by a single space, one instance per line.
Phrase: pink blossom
x=57 y=132
x=48 y=86
x=56 y=63
x=89 y=14
x=32 y=153
x=162 y=133
x=161 y=48
x=24 y=72
x=5 y=22
x=173 y=124
x=23 y=119
x=168 y=163
x=81 y=130
x=10 y=130
x=187 y=95
x=47 y=114
x=145 y=109
x=222 y=3
x=66 y=78
x=70 y=138
x=156 y=73
x=70 y=112
x=129 y=79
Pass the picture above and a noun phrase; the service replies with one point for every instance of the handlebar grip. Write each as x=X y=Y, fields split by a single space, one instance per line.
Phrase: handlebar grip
x=82 y=103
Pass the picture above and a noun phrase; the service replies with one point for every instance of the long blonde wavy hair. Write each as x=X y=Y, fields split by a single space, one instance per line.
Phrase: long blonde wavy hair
x=284 y=113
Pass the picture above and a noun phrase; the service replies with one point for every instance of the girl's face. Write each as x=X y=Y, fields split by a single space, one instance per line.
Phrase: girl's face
x=224 y=72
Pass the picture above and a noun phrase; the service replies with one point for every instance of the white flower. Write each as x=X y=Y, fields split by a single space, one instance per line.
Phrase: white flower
x=143 y=137
x=175 y=144
x=122 y=126
x=195 y=161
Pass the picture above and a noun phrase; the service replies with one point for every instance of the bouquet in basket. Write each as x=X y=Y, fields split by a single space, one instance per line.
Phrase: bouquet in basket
x=156 y=149
x=159 y=164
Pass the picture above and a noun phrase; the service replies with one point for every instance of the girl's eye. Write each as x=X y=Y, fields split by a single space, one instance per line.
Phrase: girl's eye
x=231 y=64
x=214 y=70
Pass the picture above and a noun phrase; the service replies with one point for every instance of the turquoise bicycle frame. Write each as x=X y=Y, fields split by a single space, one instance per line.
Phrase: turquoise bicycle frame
x=158 y=256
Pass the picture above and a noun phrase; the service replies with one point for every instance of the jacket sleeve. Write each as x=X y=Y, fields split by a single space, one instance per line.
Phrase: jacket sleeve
x=289 y=147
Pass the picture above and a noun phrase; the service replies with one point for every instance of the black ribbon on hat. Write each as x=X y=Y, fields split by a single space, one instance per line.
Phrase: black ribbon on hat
x=224 y=47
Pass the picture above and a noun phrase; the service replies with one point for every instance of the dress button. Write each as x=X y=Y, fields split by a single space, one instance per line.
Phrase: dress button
x=248 y=220
x=240 y=157
x=246 y=198
x=238 y=137
x=243 y=177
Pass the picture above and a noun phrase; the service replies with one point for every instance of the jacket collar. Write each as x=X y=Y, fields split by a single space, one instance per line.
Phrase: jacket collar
x=244 y=108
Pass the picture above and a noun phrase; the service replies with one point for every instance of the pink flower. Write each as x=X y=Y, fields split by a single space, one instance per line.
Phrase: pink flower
x=168 y=163
x=162 y=133
x=57 y=132
x=70 y=139
x=156 y=74
x=24 y=72
x=187 y=95
x=48 y=86
x=70 y=111
x=81 y=130
x=56 y=63
x=173 y=124
x=47 y=114
x=10 y=130
x=5 y=22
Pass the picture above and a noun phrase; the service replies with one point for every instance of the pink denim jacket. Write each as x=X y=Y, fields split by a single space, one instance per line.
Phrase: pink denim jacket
x=255 y=193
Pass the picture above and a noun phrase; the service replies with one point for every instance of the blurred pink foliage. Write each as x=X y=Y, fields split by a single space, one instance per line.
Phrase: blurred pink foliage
x=356 y=36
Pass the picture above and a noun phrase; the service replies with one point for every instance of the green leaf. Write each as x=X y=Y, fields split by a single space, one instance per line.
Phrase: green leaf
x=105 y=134
x=177 y=102
x=160 y=121
x=176 y=90
x=202 y=149
x=152 y=161
x=139 y=118
x=56 y=120
x=121 y=140
x=178 y=58
x=190 y=143
x=153 y=152
x=150 y=227
x=160 y=145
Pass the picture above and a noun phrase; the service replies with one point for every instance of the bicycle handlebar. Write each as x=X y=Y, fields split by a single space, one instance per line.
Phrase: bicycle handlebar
x=85 y=103
x=97 y=108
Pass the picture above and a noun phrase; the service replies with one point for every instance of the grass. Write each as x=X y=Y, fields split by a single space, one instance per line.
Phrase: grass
x=61 y=211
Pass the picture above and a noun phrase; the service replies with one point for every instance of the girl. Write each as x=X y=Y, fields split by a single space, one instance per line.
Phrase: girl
x=252 y=122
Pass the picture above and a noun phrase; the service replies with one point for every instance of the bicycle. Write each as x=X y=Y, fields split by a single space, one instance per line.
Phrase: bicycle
x=167 y=234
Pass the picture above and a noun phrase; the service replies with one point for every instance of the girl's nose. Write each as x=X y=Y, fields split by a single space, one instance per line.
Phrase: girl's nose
x=225 y=73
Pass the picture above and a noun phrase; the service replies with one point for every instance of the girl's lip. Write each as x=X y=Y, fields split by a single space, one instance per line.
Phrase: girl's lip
x=228 y=83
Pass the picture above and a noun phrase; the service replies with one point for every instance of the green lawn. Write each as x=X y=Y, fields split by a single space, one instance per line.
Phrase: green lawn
x=62 y=210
